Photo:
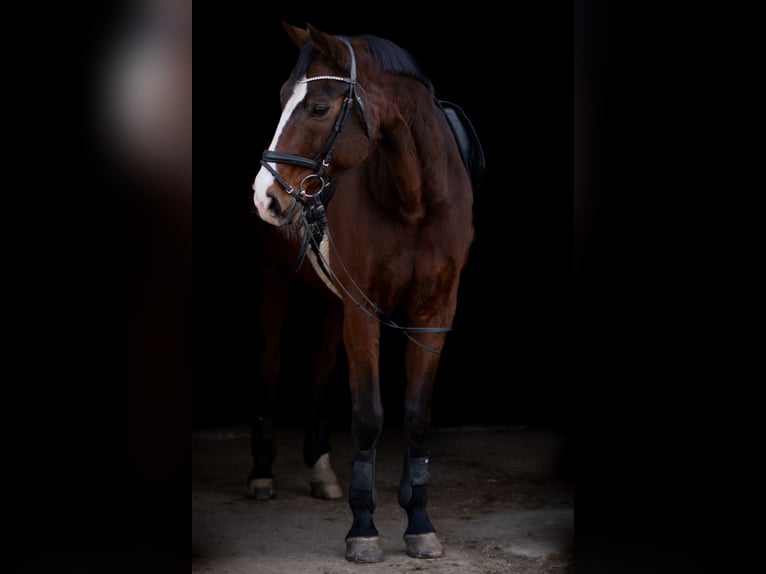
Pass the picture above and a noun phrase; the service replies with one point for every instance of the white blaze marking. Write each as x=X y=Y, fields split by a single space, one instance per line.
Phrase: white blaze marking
x=264 y=180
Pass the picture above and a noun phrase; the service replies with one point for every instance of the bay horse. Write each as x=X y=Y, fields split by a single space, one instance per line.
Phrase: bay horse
x=361 y=126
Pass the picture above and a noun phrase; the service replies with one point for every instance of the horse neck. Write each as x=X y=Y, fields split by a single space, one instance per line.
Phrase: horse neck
x=410 y=157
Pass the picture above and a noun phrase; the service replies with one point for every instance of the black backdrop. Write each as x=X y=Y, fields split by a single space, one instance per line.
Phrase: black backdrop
x=509 y=359
x=618 y=312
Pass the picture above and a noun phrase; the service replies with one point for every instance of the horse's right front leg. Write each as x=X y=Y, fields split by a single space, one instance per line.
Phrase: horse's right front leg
x=361 y=336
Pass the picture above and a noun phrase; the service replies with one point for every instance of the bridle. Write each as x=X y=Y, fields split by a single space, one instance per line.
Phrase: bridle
x=322 y=159
x=313 y=220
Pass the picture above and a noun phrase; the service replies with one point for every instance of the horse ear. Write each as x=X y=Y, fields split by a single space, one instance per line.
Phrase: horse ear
x=299 y=36
x=329 y=46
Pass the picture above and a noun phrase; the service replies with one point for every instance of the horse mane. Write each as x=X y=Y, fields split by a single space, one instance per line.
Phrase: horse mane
x=391 y=58
x=387 y=56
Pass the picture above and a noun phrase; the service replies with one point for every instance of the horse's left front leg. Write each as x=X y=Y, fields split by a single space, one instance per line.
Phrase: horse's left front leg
x=421 y=364
x=420 y=536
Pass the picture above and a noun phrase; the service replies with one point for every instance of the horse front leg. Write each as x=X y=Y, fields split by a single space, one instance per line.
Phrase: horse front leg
x=362 y=340
x=421 y=365
x=420 y=535
x=316 y=445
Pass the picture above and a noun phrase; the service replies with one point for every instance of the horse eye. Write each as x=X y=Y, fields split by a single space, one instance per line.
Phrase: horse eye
x=318 y=110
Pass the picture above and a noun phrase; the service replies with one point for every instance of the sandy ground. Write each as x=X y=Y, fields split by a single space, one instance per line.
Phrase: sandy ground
x=496 y=498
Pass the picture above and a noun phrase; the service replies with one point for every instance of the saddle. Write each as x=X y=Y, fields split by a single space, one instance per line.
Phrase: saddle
x=467 y=141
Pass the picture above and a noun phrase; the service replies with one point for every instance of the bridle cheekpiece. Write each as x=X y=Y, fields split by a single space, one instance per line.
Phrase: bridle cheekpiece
x=321 y=162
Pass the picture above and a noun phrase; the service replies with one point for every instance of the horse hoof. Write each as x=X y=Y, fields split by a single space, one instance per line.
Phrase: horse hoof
x=260 y=488
x=363 y=549
x=324 y=483
x=423 y=545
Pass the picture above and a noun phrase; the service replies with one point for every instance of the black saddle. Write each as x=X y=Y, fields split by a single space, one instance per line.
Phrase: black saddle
x=467 y=141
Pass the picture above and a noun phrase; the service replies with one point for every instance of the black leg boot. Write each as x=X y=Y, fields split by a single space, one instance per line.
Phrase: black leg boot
x=263 y=447
x=420 y=535
x=362 y=539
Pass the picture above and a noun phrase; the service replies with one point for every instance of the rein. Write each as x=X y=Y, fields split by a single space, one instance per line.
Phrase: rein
x=315 y=228
x=314 y=221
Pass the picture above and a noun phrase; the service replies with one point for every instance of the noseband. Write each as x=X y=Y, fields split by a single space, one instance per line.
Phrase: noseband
x=322 y=160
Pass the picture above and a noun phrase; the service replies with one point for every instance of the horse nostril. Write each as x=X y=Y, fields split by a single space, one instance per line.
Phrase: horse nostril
x=274 y=208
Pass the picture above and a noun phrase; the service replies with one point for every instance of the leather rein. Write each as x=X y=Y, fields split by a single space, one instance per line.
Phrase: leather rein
x=313 y=219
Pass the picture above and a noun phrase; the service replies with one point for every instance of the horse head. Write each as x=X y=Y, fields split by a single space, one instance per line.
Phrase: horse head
x=325 y=128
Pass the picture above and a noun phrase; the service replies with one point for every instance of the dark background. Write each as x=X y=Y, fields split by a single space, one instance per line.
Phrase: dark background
x=593 y=298
x=510 y=359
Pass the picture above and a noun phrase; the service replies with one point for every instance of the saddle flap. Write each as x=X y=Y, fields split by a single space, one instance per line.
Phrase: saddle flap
x=467 y=141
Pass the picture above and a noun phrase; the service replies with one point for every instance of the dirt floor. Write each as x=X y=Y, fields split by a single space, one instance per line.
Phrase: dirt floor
x=496 y=498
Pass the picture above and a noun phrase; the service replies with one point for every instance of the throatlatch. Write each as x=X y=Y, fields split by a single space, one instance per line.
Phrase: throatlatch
x=413 y=489
x=362 y=495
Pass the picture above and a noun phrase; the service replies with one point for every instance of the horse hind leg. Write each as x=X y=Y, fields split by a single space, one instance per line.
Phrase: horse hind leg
x=316 y=445
x=316 y=454
x=271 y=304
x=260 y=483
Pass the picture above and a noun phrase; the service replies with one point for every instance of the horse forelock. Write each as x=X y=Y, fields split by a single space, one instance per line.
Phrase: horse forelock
x=305 y=56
